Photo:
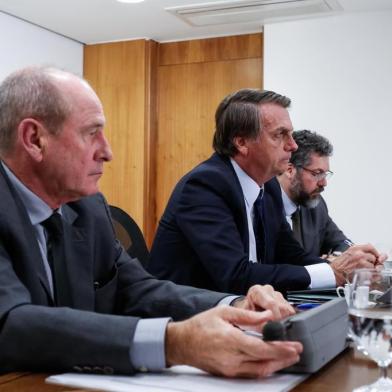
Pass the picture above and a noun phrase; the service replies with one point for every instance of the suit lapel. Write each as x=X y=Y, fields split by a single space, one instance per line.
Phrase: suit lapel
x=238 y=202
x=28 y=262
x=79 y=260
x=29 y=265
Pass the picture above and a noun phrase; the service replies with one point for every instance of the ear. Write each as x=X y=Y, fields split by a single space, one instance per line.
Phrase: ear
x=33 y=137
x=241 y=145
x=291 y=171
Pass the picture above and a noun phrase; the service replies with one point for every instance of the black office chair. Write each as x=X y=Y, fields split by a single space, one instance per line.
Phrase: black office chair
x=129 y=235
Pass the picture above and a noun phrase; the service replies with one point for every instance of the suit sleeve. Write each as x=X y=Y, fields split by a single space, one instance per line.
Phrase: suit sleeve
x=333 y=238
x=207 y=221
x=42 y=338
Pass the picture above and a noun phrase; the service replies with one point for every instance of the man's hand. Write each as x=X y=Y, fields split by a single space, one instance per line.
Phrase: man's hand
x=357 y=256
x=212 y=342
x=265 y=298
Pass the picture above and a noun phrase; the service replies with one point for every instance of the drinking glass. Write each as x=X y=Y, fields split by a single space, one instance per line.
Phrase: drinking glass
x=370 y=318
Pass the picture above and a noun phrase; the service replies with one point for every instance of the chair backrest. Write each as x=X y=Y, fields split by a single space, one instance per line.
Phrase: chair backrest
x=129 y=235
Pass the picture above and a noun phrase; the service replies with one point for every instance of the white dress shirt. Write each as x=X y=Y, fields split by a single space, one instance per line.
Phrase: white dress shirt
x=251 y=190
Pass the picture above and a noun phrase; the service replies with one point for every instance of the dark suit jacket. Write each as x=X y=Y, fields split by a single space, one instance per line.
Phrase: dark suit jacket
x=96 y=329
x=320 y=234
x=203 y=240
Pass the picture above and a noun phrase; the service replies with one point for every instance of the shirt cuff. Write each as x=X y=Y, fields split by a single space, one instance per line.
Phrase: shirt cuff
x=147 y=352
x=321 y=276
x=228 y=300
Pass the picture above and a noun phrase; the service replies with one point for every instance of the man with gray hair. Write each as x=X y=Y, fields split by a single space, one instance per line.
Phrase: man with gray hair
x=71 y=298
x=305 y=209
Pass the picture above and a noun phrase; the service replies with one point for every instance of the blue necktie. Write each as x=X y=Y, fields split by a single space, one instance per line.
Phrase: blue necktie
x=258 y=227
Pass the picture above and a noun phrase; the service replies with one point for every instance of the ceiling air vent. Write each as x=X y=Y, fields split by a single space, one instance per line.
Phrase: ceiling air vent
x=242 y=11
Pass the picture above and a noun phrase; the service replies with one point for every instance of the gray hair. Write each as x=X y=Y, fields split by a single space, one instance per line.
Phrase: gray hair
x=31 y=93
x=239 y=115
x=308 y=143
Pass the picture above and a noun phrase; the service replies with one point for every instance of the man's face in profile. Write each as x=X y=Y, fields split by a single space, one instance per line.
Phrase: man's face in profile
x=75 y=156
x=269 y=154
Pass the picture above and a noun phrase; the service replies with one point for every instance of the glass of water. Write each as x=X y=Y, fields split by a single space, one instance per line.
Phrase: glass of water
x=370 y=317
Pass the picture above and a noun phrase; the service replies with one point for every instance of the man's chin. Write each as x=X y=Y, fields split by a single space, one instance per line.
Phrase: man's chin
x=88 y=191
x=313 y=203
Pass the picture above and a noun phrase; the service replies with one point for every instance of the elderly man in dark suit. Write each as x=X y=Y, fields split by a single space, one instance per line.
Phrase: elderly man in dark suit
x=302 y=184
x=224 y=228
x=71 y=299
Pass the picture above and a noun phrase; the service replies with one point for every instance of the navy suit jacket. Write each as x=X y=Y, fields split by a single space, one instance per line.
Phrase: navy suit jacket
x=203 y=239
x=320 y=235
x=110 y=292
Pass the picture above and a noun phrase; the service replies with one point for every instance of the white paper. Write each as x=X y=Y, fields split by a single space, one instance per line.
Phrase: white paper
x=177 y=379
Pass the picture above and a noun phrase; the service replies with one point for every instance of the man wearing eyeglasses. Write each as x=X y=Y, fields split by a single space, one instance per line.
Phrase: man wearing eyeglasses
x=305 y=209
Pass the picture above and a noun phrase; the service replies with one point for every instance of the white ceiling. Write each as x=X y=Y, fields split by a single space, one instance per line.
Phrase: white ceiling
x=93 y=21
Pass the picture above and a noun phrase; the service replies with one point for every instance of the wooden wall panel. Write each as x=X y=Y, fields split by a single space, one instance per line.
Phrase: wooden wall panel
x=159 y=101
x=211 y=49
x=150 y=142
x=188 y=95
x=121 y=75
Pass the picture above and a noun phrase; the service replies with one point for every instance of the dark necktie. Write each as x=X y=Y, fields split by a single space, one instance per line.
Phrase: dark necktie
x=296 y=220
x=56 y=259
x=258 y=227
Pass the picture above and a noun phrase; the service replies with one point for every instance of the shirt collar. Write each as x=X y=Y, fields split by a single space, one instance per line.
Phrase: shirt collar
x=289 y=206
x=37 y=209
x=250 y=187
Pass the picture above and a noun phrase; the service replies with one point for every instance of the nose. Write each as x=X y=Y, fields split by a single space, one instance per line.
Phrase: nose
x=323 y=182
x=291 y=145
x=105 y=152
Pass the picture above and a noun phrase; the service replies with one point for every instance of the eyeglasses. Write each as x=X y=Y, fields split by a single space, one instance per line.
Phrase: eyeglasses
x=318 y=176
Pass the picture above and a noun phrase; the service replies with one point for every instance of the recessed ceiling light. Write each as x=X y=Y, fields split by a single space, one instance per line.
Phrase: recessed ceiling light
x=130 y=1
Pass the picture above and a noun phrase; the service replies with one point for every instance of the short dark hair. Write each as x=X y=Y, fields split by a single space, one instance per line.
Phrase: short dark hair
x=308 y=143
x=30 y=92
x=239 y=115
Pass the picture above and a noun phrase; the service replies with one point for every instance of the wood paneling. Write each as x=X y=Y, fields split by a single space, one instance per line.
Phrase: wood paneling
x=159 y=101
x=211 y=49
x=188 y=95
x=150 y=145
x=121 y=75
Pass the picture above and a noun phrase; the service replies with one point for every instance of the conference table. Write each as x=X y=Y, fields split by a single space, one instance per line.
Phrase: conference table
x=347 y=371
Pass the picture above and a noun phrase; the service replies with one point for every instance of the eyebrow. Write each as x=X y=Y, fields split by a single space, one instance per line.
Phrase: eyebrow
x=96 y=124
x=318 y=170
x=284 y=129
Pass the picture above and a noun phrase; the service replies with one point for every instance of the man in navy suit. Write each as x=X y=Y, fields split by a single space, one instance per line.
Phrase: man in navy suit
x=206 y=236
x=71 y=298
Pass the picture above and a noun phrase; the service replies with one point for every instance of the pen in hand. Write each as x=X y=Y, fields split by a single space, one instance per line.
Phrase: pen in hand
x=337 y=253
